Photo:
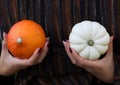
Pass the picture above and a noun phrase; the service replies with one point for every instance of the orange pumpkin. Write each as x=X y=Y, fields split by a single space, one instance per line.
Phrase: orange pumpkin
x=24 y=38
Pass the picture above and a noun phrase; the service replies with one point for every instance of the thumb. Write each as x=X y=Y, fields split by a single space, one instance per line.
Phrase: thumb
x=110 y=49
x=4 y=47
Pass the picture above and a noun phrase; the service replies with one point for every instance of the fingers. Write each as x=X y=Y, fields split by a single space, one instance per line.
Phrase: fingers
x=110 y=46
x=4 y=40
x=74 y=57
x=81 y=62
x=4 y=46
x=77 y=59
x=84 y=63
x=109 y=54
x=32 y=60
x=44 y=52
x=36 y=58
x=71 y=53
x=38 y=55
x=68 y=51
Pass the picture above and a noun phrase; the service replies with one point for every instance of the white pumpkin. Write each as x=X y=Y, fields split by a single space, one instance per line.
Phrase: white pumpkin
x=90 y=39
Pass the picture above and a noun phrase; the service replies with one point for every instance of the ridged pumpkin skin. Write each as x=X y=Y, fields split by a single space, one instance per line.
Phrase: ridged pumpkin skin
x=90 y=39
x=24 y=38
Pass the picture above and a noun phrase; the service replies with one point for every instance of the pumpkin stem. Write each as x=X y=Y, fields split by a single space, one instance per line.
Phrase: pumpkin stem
x=19 y=40
x=90 y=42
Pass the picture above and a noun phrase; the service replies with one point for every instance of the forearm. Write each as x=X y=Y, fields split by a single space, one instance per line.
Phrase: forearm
x=4 y=78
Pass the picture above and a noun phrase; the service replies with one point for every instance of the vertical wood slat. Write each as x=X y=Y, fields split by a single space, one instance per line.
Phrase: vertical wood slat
x=66 y=18
x=76 y=13
x=58 y=18
x=4 y=13
x=116 y=26
x=53 y=23
x=37 y=11
x=92 y=10
x=30 y=10
x=22 y=9
x=107 y=16
x=99 y=11
x=116 y=50
x=13 y=10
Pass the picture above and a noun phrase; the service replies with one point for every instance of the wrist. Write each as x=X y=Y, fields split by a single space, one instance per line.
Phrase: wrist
x=3 y=69
x=108 y=79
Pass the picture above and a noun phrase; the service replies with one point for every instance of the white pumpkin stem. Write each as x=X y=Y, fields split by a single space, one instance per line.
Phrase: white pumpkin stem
x=19 y=40
x=90 y=42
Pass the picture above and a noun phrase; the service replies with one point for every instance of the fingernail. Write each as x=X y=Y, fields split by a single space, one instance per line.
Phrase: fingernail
x=66 y=40
x=70 y=50
x=48 y=38
x=63 y=42
x=4 y=34
x=39 y=51
x=48 y=45
x=113 y=37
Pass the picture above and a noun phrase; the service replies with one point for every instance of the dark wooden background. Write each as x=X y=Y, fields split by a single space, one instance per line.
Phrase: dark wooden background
x=57 y=18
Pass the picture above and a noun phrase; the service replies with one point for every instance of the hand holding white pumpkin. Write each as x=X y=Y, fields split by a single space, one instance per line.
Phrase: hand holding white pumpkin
x=89 y=39
x=99 y=68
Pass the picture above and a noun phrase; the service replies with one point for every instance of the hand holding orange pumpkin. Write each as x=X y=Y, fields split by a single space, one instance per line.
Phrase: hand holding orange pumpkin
x=7 y=61
x=24 y=38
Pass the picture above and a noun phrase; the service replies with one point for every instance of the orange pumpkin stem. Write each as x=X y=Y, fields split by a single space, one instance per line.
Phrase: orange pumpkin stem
x=19 y=40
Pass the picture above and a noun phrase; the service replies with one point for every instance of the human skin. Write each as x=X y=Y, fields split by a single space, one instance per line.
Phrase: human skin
x=103 y=68
x=10 y=65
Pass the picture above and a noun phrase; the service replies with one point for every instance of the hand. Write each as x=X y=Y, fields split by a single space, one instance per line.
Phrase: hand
x=10 y=65
x=103 y=68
